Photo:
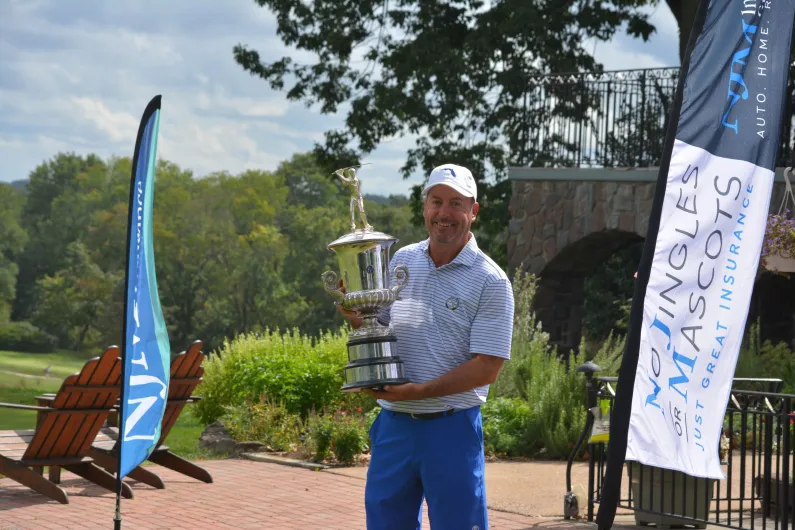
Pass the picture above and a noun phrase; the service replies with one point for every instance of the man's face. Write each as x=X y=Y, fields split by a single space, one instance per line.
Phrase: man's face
x=448 y=215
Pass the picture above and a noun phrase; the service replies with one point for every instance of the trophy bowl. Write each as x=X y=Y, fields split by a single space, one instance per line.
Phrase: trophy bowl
x=363 y=261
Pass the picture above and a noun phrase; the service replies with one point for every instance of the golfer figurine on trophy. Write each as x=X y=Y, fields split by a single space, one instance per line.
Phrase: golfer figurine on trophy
x=350 y=180
x=363 y=260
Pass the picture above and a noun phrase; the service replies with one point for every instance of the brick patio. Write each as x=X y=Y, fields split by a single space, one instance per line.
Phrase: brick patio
x=245 y=494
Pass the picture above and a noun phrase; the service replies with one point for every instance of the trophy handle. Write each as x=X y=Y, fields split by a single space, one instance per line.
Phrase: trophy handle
x=330 y=284
x=401 y=279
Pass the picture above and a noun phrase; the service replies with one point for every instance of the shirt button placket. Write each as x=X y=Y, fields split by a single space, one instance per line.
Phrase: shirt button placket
x=430 y=286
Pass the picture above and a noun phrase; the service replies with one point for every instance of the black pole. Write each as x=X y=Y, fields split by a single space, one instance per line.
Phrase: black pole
x=153 y=106
x=622 y=403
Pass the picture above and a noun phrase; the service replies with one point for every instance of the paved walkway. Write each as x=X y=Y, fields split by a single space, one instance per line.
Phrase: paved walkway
x=244 y=495
x=534 y=488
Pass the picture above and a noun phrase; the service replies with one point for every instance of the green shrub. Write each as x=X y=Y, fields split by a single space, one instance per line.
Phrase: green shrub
x=341 y=434
x=264 y=421
x=545 y=401
x=321 y=429
x=759 y=359
x=778 y=361
x=317 y=437
x=350 y=440
x=357 y=403
x=609 y=355
x=288 y=368
x=749 y=360
x=25 y=337
x=529 y=341
x=505 y=427
x=557 y=405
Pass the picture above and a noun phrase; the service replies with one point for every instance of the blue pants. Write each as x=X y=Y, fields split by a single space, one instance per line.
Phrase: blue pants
x=440 y=460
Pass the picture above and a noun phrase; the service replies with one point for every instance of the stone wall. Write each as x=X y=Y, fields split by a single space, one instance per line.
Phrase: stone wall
x=547 y=217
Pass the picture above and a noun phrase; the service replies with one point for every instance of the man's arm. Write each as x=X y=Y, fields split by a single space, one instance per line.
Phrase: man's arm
x=341 y=174
x=479 y=371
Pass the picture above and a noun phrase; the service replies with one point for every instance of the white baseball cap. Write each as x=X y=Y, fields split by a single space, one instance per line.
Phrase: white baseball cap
x=457 y=177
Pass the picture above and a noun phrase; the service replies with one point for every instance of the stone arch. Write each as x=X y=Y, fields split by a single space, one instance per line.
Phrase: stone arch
x=560 y=295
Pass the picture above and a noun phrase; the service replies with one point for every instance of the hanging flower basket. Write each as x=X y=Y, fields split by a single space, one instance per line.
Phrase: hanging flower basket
x=778 y=249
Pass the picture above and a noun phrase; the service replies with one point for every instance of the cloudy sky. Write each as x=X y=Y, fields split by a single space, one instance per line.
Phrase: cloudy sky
x=76 y=75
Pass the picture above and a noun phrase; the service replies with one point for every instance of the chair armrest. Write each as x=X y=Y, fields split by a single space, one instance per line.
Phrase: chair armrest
x=44 y=399
x=25 y=407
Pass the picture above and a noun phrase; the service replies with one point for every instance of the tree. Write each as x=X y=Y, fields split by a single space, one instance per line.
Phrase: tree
x=12 y=241
x=54 y=216
x=308 y=185
x=73 y=303
x=452 y=73
x=684 y=12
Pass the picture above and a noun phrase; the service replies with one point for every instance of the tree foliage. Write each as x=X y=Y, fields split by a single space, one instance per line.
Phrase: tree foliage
x=12 y=242
x=234 y=253
x=454 y=74
x=53 y=217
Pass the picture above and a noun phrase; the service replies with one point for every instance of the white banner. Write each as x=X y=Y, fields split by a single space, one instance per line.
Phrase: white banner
x=705 y=261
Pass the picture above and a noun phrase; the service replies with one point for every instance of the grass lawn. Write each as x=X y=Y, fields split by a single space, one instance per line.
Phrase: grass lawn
x=182 y=440
x=61 y=364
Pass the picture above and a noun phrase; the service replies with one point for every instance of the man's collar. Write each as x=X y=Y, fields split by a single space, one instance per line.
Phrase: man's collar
x=467 y=256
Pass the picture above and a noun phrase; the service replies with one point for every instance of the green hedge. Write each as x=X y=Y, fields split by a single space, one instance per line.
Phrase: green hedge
x=289 y=368
x=25 y=337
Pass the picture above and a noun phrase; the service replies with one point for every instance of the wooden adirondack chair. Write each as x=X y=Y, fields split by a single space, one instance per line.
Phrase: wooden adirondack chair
x=65 y=431
x=186 y=375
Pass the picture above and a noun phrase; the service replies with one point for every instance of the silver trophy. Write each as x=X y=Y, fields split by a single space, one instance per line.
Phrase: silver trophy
x=363 y=259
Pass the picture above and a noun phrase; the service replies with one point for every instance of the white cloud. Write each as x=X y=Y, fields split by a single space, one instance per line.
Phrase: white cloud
x=626 y=53
x=118 y=125
x=220 y=100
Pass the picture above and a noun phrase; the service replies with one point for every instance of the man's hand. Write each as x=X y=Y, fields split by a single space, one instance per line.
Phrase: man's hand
x=398 y=392
x=354 y=317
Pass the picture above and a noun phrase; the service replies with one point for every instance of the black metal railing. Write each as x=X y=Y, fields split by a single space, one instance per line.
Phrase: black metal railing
x=758 y=465
x=610 y=119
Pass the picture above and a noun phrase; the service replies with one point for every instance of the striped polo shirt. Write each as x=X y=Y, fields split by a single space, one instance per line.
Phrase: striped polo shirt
x=446 y=315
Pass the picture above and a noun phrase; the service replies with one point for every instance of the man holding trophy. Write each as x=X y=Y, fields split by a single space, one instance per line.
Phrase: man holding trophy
x=451 y=318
